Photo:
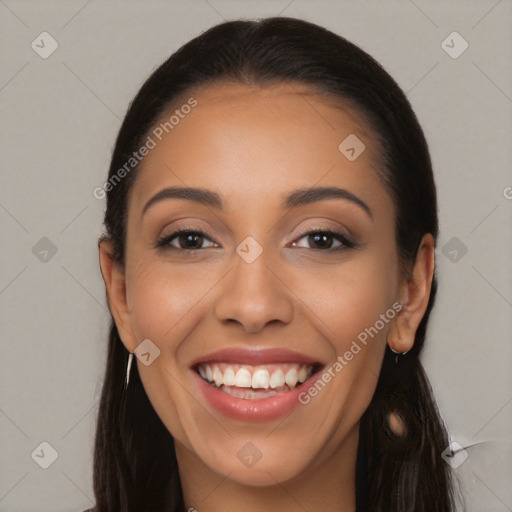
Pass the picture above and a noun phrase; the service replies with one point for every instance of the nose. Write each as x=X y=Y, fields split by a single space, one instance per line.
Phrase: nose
x=253 y=295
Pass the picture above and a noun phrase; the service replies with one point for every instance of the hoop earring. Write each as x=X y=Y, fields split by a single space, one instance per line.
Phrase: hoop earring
x=128 y=367
x=397 y=354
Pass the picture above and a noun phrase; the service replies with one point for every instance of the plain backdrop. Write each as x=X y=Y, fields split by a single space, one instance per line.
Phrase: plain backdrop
x=59 y=118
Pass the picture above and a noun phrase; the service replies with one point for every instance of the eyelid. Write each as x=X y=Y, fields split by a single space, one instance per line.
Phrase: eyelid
x=194 y=229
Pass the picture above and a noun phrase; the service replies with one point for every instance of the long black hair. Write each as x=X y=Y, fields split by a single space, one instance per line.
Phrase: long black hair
x=135 y=467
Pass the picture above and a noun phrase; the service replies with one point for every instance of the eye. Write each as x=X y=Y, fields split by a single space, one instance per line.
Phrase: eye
x=324 y=240
x=185 y=240
x=190 y=240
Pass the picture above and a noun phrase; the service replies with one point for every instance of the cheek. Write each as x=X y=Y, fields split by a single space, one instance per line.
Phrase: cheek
x=350 y=297
x=160 y=297
x=165 y=304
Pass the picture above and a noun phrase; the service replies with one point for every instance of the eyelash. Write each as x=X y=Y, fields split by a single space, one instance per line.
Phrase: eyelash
x=164 y=242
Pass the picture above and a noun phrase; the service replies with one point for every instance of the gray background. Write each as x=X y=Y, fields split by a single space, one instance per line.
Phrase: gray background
x=60 y=116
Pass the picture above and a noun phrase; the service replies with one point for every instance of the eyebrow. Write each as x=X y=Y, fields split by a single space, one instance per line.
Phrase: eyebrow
x=311 y=195
x=295 y=199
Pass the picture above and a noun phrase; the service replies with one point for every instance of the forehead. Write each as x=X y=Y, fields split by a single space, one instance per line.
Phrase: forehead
x=258 y=140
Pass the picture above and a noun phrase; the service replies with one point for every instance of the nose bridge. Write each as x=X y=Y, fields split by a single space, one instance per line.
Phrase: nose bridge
x=252 y=295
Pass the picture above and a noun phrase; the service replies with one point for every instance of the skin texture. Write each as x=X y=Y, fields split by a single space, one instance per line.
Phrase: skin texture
x=253 y=146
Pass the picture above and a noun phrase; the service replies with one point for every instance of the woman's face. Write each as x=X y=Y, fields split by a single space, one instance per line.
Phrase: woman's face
x=294 y=269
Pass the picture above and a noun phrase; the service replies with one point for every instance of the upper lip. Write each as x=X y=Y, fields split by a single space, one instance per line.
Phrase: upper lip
x=254 y=356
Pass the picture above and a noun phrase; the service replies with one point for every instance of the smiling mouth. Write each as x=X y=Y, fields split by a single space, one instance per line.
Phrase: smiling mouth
x=256 y=382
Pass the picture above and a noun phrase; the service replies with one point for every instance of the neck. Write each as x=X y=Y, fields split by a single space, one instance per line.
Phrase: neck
x=328 y=485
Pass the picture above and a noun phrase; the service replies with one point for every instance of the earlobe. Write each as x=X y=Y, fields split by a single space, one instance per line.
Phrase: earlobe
x=414 y=295
x=115 y=284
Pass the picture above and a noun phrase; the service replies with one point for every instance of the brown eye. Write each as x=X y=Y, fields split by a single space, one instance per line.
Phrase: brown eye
x=189 y=241
x=185 y=240
x=323 y=240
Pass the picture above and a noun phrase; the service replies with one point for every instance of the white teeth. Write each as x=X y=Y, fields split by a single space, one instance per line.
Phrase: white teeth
x=303 y=374
x=260 y=379
x=243 y=378
x=277 y=379
x=217 y=376
x=291 y=377
x=248 y=394
x=229 y=377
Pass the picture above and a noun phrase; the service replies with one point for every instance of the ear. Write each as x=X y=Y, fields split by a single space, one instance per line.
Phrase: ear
x=115 y=284
x=414 y=297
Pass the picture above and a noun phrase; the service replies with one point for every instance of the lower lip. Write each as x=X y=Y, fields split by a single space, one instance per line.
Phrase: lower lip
x=256 y=410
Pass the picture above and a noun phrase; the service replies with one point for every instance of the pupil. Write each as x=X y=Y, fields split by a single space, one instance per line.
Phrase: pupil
x=322 y=240
x=192 y=238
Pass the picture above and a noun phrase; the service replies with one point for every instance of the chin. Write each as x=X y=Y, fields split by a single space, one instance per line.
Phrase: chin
x=248 y=465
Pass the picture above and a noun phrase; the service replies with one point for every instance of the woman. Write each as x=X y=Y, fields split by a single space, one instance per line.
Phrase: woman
x=269 y=259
